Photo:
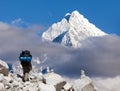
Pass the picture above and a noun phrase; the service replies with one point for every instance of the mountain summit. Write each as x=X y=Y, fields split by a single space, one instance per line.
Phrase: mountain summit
x=71 y=30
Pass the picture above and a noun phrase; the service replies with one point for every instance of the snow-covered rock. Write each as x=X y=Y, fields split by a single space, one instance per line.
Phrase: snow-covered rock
x=68 y=87
x=2 y=88
x=53 y=82
x=84 y=83
x=72 y=30
x=4 y=69
x=89 y=87
x=50 y=81
x=1 y=77
x=46 y=87
x=54 y=79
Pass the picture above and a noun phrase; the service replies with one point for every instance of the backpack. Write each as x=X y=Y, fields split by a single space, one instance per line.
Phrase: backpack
x=25 y=56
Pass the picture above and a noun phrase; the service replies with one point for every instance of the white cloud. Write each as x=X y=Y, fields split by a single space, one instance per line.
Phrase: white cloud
x=102 y=83
x=99 y=56
x=4 y=26
x=19 y=20
x=108 y=84
x=14 y=39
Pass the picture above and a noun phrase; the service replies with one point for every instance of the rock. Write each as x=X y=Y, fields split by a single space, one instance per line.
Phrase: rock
x=2 y=88
x=68 y=87
x=52 y=82
x=53 y=78
x=28 y=86
x=8 y=78
x=46 y=87
x=82 y=74
x=84 y=83
x=60 y=85
x=1 y=77
x=56 y=80
x=4 y=69
x=89 y=86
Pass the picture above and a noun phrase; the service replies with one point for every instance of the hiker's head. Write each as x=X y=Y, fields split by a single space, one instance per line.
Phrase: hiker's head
x=25 y=56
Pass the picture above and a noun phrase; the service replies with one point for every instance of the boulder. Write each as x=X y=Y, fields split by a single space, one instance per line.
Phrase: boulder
x=54 y=79
x=60 y=86
x=68 y=87
x=89 y=87
x=46 y=87
x=84 y=83
x=4 y=69
x=2 y=88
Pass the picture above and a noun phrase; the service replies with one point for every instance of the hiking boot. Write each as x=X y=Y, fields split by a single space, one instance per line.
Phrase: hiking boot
x=26 y=77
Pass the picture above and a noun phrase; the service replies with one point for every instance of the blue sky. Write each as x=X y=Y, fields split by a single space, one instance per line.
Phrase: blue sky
x=105 y=14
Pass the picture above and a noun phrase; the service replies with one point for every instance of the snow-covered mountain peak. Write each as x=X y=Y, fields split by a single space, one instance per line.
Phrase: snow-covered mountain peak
x=74 y=13
x=67 y=16
x=71 y=30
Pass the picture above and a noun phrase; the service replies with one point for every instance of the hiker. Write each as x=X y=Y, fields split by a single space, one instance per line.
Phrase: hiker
x=25 y=59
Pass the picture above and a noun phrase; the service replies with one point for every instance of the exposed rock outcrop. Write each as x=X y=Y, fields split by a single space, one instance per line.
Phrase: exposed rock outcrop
x=44 y=82
x=4 y=69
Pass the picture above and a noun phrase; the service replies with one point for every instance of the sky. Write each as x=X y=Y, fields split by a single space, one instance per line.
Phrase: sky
x=105 y=14
x=23 y=21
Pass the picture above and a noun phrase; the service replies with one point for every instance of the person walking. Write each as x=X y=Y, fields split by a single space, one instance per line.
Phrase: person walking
x=25 y=59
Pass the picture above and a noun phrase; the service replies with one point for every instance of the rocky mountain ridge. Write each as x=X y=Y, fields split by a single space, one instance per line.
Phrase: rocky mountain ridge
x=50 y=81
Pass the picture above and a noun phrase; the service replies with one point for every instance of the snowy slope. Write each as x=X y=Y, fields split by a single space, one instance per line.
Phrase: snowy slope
x=71 y=30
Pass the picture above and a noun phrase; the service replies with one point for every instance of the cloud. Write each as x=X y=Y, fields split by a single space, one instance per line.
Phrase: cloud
x=101 y=83
x=107 y=84
x=13 y=39
x=4 y=26
x=19 y=20
x=99 y=56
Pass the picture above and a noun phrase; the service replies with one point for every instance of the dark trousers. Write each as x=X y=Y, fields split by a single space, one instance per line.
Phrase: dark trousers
x=27 y=67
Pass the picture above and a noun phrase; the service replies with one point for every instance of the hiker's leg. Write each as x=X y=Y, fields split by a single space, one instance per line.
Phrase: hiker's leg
x=26 y=71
